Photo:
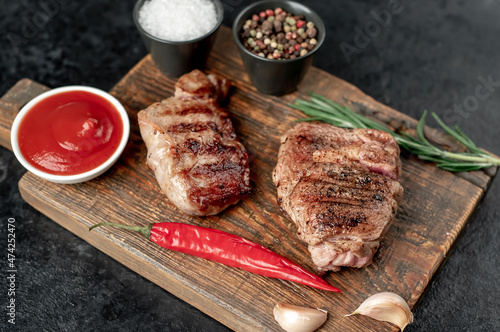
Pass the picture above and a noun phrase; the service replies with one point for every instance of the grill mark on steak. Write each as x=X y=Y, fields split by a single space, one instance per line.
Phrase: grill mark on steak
x=192 y=145
x=316 y=191
x=359 y=189
x=214 y=170
x=195 y=110
x=344 y=221
x=214 y=148
x=219 y=191
x=180 y=128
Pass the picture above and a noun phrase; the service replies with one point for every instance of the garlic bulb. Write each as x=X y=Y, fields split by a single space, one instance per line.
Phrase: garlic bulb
x=388 y=307
x=293 y=318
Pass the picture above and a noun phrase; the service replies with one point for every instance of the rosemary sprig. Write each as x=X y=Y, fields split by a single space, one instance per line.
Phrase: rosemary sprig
x=320 y=108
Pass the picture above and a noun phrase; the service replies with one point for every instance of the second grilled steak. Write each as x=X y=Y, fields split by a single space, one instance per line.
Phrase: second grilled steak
x=193 y=149
x=341 y=188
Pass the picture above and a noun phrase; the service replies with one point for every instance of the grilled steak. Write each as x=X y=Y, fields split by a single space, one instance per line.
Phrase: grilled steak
x=341 y=188
x=192 y=147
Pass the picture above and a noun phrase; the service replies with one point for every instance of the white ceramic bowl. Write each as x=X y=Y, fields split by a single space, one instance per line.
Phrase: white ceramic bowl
x=77 y=178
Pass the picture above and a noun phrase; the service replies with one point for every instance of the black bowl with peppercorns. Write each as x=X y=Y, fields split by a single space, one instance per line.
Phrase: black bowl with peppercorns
x=277 y=41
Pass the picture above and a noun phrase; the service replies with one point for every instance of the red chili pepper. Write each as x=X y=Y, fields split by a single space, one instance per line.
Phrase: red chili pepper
x=227 y=249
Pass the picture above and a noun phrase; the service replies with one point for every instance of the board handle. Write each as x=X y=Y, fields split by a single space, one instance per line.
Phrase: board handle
x=11 y=102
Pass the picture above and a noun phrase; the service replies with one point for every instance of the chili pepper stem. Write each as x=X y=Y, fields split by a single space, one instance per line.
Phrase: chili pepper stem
x=146 y=230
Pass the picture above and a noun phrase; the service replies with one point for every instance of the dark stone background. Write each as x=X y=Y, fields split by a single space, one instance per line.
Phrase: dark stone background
x=431 y=55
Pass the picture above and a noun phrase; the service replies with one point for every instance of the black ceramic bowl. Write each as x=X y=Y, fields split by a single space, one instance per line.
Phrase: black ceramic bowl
x=270 y=76
x=175 y=58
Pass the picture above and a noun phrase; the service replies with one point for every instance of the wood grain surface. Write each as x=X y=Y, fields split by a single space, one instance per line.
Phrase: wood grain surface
x=436 y=207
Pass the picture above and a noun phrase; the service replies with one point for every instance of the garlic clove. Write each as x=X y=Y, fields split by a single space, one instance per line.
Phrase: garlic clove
x=293 y=318
x=388 y=307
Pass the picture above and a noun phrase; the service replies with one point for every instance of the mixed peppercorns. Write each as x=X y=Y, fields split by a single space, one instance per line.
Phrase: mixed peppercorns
x=276 y=34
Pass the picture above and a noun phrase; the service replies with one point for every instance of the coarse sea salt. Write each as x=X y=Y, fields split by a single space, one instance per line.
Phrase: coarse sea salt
x=178 y=20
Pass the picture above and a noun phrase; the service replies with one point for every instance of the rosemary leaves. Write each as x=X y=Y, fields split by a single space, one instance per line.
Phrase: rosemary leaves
x=320 y=108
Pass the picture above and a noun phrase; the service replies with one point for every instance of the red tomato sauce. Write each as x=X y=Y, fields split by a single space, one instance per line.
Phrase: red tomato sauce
x=70 y=133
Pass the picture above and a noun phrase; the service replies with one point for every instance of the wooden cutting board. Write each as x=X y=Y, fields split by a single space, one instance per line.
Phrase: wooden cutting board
x=437 y=206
